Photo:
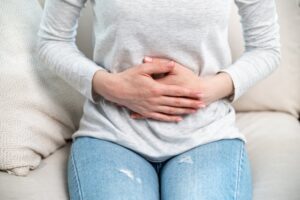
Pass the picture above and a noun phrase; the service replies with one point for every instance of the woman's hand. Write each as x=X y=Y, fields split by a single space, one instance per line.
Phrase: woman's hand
x=212 y=87
x=135 y=89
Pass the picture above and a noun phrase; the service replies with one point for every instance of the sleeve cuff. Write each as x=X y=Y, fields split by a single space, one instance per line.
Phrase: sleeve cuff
x=237 y=92
x=89 y=92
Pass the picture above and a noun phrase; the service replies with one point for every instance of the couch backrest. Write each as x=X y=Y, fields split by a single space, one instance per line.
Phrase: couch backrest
x=281 y=90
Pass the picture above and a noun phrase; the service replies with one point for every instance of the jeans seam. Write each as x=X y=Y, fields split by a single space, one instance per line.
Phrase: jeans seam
x=239 y=169
x=76 y=176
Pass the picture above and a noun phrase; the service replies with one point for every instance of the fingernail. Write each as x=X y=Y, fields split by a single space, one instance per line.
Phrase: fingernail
x=201 y=106
x=171 y=64
x=148 y=59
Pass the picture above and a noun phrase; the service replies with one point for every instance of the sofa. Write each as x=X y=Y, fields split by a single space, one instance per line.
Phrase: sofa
x=272 y=132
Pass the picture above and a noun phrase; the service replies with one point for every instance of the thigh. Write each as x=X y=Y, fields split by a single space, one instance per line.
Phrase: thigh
x=213 y=171
x=100 y=169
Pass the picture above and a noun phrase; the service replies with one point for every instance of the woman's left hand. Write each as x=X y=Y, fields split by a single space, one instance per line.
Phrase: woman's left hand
x=213 y=87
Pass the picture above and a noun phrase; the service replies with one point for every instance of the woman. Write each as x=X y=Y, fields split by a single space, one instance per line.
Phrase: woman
x=158 y=121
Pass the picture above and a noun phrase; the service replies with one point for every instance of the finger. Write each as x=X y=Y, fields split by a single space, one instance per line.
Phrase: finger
x=178 y=91
x=164 y=117
x=180 y=102
x=150 y=68
x=134 y=114
x=147 y=59
x=137 y=116
x=174 y=110
x=157 y=116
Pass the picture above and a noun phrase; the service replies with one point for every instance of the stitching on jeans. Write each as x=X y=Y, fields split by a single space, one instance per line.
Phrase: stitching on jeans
x=241 y=160
x=76 y=175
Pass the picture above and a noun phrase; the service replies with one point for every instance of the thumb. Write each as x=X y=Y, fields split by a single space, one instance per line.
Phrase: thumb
x=151 y=68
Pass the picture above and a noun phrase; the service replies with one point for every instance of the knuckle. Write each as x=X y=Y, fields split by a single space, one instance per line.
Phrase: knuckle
x=177 y=102
x=170 y=110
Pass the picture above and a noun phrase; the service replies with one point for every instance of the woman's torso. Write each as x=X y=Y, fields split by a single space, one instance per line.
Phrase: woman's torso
x=194 y=34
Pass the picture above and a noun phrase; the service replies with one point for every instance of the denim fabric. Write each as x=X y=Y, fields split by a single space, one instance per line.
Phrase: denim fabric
x=100 y=169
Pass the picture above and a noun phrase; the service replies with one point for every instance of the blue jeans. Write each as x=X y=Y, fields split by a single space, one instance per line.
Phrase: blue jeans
x=103 y=170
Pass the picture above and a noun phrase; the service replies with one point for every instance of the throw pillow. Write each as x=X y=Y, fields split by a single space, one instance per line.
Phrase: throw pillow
x=39 y=111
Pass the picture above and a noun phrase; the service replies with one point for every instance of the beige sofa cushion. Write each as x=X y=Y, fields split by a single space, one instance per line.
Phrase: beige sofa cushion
x=47 y=182
x=281 y=90
x=38 y=109
x=273 y=143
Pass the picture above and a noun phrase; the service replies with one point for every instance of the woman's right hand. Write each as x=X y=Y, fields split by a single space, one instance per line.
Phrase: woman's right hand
x=135 y=89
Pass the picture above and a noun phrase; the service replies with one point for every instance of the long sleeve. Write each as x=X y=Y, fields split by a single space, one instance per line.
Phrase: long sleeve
x=262 y=46
x=57 y=48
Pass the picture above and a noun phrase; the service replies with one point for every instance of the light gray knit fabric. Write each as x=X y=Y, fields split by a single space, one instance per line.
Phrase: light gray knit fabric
x=193 y=33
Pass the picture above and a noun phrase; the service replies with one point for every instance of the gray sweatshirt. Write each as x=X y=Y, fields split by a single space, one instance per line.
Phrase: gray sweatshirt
x=193 y=33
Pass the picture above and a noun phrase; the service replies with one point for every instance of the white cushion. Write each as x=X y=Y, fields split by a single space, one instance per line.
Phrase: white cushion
x=281 y=90
x=273 y=143
x=38 y=109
